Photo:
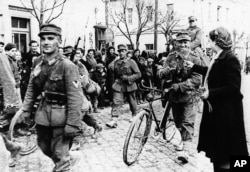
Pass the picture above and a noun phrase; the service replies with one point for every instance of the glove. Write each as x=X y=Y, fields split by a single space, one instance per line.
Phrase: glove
x=70 y=131
x=175 y=87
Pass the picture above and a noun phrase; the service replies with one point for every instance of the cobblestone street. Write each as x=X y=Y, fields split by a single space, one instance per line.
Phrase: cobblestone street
x=105 y=153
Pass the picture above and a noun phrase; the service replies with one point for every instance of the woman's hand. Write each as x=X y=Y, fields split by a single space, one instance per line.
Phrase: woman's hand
x=205 y=95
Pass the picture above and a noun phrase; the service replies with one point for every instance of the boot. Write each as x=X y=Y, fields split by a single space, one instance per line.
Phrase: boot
x=183 y=155
x=14 y=149
x=112 y=123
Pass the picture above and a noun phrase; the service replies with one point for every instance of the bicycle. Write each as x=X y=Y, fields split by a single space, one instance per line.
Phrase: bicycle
x=140 y=127
x=29 y=140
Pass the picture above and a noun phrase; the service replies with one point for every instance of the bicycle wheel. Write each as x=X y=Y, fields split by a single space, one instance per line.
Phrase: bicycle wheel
x=28 y=142
x=137 y=137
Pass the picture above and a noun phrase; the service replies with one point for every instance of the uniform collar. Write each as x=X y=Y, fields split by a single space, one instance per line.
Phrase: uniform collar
x=51 y=61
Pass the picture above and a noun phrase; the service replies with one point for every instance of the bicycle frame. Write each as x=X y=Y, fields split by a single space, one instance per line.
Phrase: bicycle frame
x=159 y=126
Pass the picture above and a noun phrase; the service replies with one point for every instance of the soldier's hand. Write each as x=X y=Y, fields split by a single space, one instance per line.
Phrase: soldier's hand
x=124 y=77
x=70 y=131
x=175 y=87
x=188 y=64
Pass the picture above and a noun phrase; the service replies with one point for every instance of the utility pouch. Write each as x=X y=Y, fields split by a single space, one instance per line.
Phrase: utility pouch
x=58 y=115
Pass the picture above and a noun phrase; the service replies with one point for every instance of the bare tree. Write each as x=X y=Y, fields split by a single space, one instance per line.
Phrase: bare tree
x=144 y=13
x=167 y=23
x=237 y=38
x=45 y=11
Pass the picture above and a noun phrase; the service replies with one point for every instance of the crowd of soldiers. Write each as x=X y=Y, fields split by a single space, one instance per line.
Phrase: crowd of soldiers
x=68 y=90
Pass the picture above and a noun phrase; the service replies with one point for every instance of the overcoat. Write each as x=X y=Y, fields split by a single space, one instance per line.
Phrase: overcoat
x=222 y=131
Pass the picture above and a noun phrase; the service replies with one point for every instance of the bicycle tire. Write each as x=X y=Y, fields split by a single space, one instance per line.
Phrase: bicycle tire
x=29 y=144
x=143 y=120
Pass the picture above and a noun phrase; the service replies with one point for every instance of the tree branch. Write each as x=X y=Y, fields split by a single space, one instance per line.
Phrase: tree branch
x=58 y=13
x=56 y=6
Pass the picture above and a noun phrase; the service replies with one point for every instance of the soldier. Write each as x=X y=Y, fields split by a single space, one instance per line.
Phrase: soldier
x=195 y=34
x=126 y=72
x=184 y=86
x=56 y=80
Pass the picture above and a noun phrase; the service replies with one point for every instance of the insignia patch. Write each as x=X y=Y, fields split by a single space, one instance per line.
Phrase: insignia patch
x=75 y=83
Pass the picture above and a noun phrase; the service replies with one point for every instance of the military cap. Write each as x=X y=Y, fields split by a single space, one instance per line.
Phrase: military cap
x=9 y=46
x=183 y=36
x=121 y=47
x=192 y=18
x=67 y=50
x=48 y=28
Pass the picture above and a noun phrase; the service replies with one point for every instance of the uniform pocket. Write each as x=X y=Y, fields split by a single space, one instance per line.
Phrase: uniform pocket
x=58 y=115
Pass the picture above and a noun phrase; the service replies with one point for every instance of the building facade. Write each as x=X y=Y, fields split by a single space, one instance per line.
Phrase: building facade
x=231 y=14
x=19 y=26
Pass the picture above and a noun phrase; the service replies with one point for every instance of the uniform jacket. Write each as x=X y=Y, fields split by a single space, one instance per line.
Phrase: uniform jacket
x=195 y=34
x=128 y=69
x=58 y=82
x=222 y=132
x=187 y=80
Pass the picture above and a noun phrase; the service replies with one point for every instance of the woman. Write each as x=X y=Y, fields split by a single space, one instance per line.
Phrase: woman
x=222 y=132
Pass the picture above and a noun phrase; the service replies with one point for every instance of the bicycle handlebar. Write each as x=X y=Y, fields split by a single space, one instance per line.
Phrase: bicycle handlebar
x=146 y=88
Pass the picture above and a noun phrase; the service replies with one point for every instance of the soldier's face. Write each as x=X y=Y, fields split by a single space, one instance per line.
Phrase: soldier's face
x=192 y=23
x=122 y=53
x=50 y=43
x=183 y=44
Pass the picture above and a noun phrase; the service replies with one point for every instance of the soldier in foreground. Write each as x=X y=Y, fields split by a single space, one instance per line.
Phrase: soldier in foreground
x=56 y=80
x=182 y=98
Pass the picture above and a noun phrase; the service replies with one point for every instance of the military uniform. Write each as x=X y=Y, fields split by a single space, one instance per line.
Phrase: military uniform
x=57 y=82
x=195 y=34
x=126 y=72
x=185 y=84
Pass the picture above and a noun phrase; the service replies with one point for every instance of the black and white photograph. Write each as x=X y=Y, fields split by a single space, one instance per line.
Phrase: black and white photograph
x=124 y=86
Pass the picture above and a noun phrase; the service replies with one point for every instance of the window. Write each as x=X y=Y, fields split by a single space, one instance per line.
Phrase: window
x=19 y=23
x=149 y=46
x=209 y=10
x=227 y=14
x=130 y=47
x=20 y=33
x=218 y=13
x=130 y=15
x=170 y=11
x=150 y=13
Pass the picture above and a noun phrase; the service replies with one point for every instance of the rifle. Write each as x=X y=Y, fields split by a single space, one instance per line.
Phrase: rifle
x=74 y=49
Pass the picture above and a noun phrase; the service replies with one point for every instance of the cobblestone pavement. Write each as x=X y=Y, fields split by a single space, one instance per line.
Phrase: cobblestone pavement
x=105 y=153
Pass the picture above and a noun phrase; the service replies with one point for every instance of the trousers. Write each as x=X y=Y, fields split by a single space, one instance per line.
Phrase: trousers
x=184 y=117
x=118 y=101
x=55 y=146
